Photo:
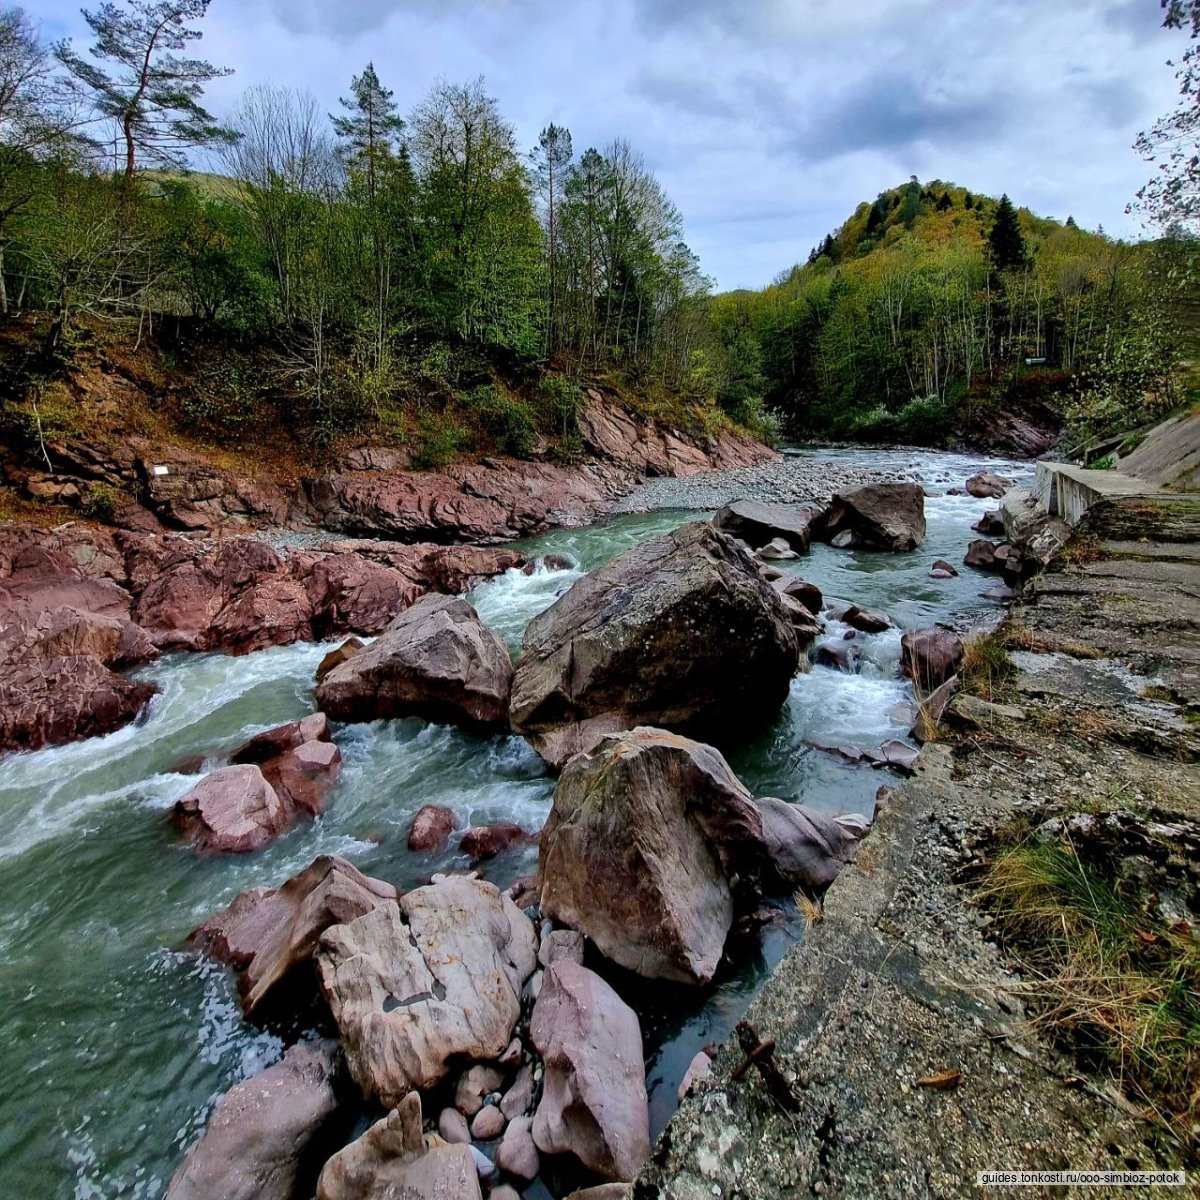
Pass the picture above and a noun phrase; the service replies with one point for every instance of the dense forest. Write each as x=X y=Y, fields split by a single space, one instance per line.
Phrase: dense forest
x=418 y=273
x=931 y=301
x=424 y=277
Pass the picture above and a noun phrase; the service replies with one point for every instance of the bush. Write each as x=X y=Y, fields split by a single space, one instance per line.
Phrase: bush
x=441 y=439
x=101 y=502
x=561 y=400
x=506 y=417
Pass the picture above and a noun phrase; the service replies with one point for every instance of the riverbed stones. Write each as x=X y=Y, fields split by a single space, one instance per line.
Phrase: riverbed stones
x=482 y=842
x=437 y=660
x=474 y=1086
x=985 y=555
x=929 y=657
x=594 y=1103
x=489 y=1124
x=801 y=590
x=879 y=516
x=758 y=524
x=986 y=485
x=864 y=620
x=679 y=632
x=991 y=524
x=260 y=1140
x=639 y=850
x=518 y=1153
x=806 y=848
x=392 y=1159
x=941 y=569
x=269 y=935
x=344 y=653
x=418 y=986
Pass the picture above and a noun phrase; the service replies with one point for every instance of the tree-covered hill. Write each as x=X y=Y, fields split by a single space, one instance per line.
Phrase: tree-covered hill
x=933 y=307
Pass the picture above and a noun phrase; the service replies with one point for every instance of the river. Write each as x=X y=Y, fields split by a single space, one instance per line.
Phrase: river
x=116 y=1044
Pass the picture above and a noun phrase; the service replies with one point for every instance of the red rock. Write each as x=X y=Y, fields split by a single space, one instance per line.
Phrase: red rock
x=804 y=592
x=594 y=1100
x=303 y=777
x=431 y=827
x=865 y=621
x=878 y=516
x=50 y=701
x=233 y=810
x=487 y=841
x=988 y=486
x=437 y=660
x=262 y=1136
x=346 y=651
x=929 y=657
x=265 y=746
x=269 y=935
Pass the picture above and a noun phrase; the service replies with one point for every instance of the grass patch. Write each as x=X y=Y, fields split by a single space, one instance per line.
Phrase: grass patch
x=1104 y=976
x=987 y=670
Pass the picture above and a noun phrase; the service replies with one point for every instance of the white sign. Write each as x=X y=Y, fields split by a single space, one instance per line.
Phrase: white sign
x=162 y=470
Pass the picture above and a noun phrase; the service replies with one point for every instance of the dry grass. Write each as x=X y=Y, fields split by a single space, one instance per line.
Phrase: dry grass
x=1103 y=976
x=987 y=671
x=811 y=910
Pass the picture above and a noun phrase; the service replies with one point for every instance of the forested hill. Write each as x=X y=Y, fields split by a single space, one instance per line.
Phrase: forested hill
x=937 y=314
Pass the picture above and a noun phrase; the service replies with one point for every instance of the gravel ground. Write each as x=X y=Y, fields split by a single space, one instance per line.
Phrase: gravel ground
x=786 y=481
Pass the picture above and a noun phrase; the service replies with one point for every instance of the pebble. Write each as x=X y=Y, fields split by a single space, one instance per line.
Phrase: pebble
x=452 y=1125
x=489 y=1124
x=786 y=481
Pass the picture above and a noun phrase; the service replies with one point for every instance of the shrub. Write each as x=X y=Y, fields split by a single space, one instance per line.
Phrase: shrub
x=441 y=438
x=506 y=417
x=101 y=502
x=561 y=400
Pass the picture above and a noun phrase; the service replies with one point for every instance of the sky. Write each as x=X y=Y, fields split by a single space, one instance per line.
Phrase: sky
x=767 y=121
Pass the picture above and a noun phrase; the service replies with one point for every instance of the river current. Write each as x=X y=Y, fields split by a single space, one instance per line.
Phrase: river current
x=116 y=1045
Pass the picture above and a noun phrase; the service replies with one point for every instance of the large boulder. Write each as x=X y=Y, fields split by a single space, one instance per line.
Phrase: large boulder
x=232 y=810
x=806 y=848
x=415 y=987
x=270 y=935
x=261 y=1141
x=437 y=660
x=594 y=1102
x=929 y=657
x=878 y=516
x=988 y=486
x=679 y=632
x=640 y=848
x=391 y=1161
x=759 y=524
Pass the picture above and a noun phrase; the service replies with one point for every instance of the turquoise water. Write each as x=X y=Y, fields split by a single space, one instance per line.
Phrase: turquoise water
x=116 y=1044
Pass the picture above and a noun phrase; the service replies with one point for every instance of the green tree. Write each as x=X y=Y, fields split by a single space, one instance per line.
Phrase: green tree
x=152 y=93
x=550 y=160
x=370 y=133
x=1006 y=245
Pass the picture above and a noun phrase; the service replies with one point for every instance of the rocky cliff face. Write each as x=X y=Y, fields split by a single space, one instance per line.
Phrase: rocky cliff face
x=372 y=490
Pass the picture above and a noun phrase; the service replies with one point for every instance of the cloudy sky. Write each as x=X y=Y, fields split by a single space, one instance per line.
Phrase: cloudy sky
x=766 y=120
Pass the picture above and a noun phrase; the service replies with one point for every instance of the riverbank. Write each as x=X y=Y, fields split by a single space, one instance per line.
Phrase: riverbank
x=914 y=1043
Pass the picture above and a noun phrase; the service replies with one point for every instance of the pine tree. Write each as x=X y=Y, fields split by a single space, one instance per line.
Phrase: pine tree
x=369 y=134
x=550 y=159
x=1006 y=246
x=944 y=202
x=968 y=201
x=1070 y=223
x=153 y=94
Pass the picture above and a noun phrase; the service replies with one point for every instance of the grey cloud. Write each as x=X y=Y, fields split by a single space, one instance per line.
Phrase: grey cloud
x=894 y=111
x=684 y=94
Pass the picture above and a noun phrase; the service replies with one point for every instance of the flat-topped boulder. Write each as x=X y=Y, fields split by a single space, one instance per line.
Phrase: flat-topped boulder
x=758 y=524
x=270 y=935
x=646 y=640
x=640 y=849
x=437 y=660
x=987 y=485
x=419 y=986
x=878 y=516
